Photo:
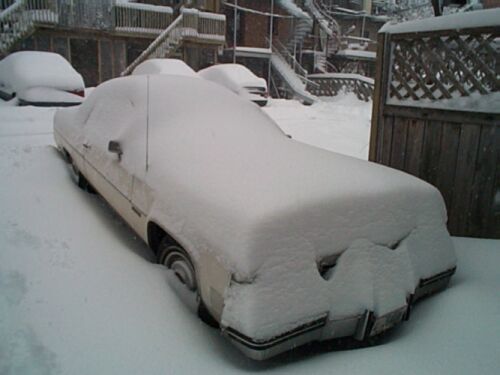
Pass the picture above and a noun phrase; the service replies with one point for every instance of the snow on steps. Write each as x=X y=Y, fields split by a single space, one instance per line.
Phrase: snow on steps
x=292 y=80
x=303 y=24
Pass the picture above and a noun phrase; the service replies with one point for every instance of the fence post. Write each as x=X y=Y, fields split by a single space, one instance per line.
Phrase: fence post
x=380 y=91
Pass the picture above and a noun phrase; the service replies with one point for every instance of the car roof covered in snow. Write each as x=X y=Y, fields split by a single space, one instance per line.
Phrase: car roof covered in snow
x=26 y=69
x=233 y=76
x=164 y=66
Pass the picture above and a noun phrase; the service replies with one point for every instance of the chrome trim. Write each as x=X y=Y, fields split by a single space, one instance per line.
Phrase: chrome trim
x=266 y=344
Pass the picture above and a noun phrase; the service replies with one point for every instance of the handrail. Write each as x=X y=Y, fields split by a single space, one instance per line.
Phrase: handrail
x=20 y=18
x=190 y=24
x=141 y=18
x=157 y=45
x=282 y=51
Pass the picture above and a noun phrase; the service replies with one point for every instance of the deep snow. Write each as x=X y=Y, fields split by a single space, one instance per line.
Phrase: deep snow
x=79 y=294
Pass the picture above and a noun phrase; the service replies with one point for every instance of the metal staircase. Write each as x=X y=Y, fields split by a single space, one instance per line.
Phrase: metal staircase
x=329 y=32
x=19 y=19
x=190 y=25
x=291 y=73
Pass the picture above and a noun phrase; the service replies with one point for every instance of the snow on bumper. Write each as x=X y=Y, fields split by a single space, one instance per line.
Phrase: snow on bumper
x=369 y=290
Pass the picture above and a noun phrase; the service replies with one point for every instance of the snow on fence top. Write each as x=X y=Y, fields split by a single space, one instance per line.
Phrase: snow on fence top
x=458 y=21
x=208 y=15
x=154 y=8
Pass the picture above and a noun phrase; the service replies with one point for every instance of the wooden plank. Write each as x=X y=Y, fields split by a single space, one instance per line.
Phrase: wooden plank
x=492 y=226
x=445 y=179
x=379 y=93
x=444 y=115
x=415 y=140
x=458 y=61
x=483 y=186
x=430 y=75
x=398 y=150
x=61 y=46
x=387 y=140
x=466 y=163
x=418 y=80
x=431 y=150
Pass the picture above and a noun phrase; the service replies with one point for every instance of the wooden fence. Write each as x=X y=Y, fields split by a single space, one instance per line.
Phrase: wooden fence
x=329 y=84
x=436 y=115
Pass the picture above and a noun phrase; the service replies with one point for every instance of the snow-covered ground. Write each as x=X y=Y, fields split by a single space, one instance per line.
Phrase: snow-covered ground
x=79 y=293
x=342 y=124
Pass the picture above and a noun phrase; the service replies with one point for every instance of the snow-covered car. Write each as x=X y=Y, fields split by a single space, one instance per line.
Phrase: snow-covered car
x=40 y=78
x=238 y=79
x=164 y=66
x=282 y=243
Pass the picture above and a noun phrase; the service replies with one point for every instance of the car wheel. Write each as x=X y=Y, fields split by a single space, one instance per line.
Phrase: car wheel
x=176 y=259
x=80 y=179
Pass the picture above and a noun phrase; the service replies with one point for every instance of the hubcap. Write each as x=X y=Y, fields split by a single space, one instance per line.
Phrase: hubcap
x=180 y=264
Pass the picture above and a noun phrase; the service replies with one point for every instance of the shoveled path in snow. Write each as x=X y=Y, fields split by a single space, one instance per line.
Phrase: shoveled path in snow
x=79 y=293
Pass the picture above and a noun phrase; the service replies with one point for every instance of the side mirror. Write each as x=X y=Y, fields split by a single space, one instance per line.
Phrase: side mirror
x=115 y=148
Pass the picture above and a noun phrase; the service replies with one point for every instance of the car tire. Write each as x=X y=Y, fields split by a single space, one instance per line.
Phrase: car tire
x=80 y=179
x=175 y=258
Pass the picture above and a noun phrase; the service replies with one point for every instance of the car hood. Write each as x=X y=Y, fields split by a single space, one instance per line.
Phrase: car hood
x=249 y=209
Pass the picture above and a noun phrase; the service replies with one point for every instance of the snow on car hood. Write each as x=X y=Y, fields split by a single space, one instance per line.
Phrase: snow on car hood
x=235 y=185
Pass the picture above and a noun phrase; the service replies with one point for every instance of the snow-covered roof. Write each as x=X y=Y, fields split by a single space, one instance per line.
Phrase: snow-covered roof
x=164 y=66
x=142 y=6
x=467 y=20
x=22 y=70
x=233 y=76
x=369 y=55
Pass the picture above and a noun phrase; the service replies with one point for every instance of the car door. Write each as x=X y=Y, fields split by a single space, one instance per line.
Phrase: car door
x=119 y=118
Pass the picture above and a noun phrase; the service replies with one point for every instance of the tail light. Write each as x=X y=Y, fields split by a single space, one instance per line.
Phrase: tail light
x=78 y=92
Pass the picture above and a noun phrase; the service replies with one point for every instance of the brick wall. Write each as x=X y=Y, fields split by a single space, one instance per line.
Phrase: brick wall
x=254 y=28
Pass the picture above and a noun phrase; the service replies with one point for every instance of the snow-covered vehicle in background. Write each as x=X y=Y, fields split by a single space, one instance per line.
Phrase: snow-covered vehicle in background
x=164 y=66
x=40 y=78
x=238 y=79
x=281 y=242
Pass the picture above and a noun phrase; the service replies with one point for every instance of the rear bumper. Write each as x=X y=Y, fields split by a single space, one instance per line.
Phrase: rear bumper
x=360 y=327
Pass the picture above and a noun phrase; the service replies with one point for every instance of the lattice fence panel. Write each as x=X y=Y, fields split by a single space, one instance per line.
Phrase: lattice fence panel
x=448 y=65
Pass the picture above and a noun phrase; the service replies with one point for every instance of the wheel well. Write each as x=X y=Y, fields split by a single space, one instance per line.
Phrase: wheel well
x=67 y=156
x=156 y=234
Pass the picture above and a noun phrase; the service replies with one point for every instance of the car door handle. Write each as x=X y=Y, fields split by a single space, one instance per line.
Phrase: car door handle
x=87 y=146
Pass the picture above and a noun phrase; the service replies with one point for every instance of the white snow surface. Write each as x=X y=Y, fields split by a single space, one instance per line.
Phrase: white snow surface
x=48 y=95
x=341 y=124
x=458 y=21
x=268 y=207
x=164 y=66
x=357 y=53
x=26 y=69
x=79 y=294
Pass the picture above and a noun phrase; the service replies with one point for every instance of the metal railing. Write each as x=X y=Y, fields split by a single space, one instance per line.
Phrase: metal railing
x=20 y=18
x=281 y=50
x=141 y=18
x=191 y=24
